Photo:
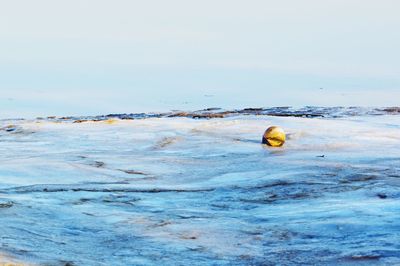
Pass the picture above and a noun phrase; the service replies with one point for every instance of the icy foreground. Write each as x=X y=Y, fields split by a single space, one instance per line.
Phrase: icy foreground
x=182 y=191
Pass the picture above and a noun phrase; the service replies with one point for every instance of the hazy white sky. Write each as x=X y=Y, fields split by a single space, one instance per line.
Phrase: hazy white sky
x=91 y=56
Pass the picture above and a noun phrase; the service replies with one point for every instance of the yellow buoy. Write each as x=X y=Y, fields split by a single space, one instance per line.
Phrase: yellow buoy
x=274 y=136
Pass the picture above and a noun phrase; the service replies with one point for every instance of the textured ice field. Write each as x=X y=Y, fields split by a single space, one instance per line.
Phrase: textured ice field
x=182 y=191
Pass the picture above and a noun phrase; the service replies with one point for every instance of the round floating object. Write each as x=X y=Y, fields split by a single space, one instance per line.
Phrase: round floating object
x=274 y=137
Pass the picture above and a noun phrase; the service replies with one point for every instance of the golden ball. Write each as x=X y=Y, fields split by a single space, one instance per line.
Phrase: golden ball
x=274 y=137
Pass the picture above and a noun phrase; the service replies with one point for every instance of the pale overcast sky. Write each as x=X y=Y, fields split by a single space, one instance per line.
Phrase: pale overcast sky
x=95 y=56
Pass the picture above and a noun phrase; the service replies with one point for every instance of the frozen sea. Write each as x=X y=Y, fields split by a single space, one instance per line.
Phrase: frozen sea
x=185 y=189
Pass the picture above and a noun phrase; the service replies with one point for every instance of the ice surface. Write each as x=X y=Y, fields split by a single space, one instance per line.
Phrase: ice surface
x=179 y=191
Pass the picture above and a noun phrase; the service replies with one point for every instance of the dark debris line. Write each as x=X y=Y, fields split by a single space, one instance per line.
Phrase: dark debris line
x=209 y=113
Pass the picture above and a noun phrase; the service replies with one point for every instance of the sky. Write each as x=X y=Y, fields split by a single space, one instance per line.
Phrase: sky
x=86 y=57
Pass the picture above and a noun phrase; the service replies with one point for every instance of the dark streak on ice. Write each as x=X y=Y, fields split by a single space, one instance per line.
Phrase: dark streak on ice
x=209 y=113
x=66 y=188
